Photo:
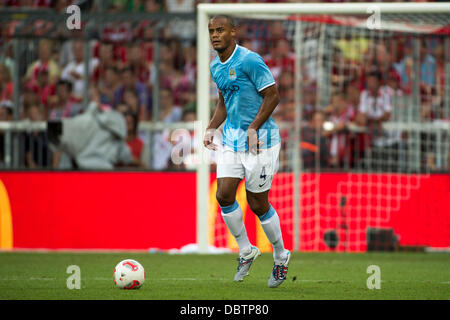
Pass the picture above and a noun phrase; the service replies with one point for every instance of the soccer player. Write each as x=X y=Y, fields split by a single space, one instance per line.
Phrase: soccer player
x=250 y=144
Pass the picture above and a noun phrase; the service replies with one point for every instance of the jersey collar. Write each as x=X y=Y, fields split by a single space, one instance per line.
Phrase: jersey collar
x=231 y=56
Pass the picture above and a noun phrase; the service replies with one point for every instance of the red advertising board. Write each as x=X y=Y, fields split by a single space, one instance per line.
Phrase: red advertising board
x=85 y=210
x=135 y=210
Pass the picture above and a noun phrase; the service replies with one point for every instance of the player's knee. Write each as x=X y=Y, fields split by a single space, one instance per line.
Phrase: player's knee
x=225 y=199
x=257 y=206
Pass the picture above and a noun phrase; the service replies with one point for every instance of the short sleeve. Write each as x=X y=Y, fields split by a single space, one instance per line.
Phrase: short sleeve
x=258 y=72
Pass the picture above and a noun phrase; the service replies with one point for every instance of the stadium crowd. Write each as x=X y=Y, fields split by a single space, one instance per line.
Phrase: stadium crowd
x=122 y=72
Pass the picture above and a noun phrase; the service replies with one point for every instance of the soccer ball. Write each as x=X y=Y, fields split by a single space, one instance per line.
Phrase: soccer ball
x=129 y=274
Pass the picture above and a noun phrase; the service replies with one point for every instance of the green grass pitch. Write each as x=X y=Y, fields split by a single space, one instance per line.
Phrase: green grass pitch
x=26 y=275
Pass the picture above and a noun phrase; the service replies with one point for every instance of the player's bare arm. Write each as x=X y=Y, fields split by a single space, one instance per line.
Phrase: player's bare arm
x=219 y=116
x=271 y=100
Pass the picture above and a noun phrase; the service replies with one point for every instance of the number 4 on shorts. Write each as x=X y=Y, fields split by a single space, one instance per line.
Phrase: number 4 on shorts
x=263 y=173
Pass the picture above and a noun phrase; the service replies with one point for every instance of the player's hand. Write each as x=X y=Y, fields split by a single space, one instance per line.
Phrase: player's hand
x=208 y=139
x=253 y=143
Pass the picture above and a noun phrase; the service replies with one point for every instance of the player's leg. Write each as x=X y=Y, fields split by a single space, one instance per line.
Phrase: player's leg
x=270 y=222
x=232 y=213
x=233 y=217
x=259 y=172
x=230 y=172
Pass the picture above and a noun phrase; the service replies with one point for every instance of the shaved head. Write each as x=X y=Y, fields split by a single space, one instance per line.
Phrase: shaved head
x=229 y=20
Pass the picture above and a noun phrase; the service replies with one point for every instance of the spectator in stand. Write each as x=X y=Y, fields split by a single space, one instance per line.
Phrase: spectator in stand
x=313 y=143
x=6 y=85
x=6 y=110
x=104 y=51
x=139 y=150
x=60 y=6
x=162 y=146
x=375 y=109
x=66 y=50
x=382 y=63
x=74 y=71
x=36 y=145
x=427 y=67
x=439 y=53
x=182 y=88
x=42 y=87
x=130 y=82
x=130 y=99
x=357 y=141
x=123 y=108
x=340 y=114
x=275 y=31
x=428 y=70
x=406 y=76
x=64 y=105
x=281 y=58
x=169 y=111
x=43 y=62
x=152 y=6
x=117 y=32
x=136 y=61
x=6 y=114
x=352 y=94
x=109 y=84
x=309 y=107
x=146 y=34
x=7 y=56
x=286 y=82
x=172 y=61
x=285 y=111
x=190 y=64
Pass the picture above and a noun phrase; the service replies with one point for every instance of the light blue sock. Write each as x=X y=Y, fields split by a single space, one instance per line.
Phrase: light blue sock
x=232 y=215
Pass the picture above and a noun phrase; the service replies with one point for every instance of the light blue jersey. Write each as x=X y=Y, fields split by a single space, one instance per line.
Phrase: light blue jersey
x=240 y=79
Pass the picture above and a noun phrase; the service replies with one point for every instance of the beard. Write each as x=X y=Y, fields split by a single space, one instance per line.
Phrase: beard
x=220 y=50
x=223 y=47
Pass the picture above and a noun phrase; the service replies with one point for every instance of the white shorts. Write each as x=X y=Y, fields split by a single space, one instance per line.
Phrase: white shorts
x=258 y=170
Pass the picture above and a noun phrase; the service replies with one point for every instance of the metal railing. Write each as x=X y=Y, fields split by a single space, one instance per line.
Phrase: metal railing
x=14 y=146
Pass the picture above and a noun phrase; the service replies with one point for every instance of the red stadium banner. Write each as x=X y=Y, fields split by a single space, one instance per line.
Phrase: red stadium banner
x=139 y=211
x=88 y=210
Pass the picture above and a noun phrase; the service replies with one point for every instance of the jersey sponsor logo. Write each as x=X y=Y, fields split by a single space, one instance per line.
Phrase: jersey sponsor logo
x=231 y=89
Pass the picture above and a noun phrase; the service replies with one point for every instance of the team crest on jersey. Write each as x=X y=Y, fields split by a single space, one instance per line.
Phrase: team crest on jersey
x=232 y=74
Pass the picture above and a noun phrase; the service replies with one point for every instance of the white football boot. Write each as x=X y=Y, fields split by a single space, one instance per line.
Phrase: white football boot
x=245 y=263
x=279 y=273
